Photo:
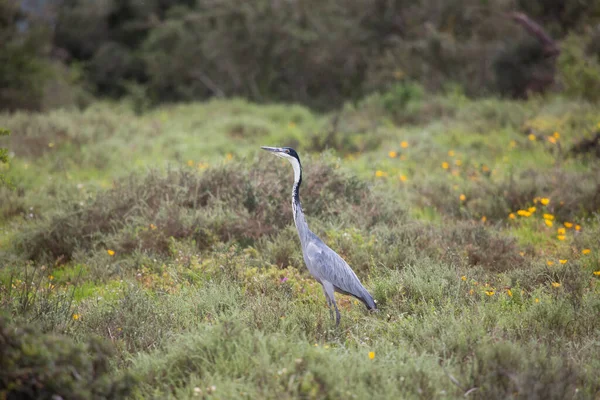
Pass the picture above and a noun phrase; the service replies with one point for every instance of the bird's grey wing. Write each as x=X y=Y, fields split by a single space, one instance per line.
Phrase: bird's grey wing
x=327 y=265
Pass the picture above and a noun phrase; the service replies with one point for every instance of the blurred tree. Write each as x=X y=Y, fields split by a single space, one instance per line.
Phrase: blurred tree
x=309 y=51
x=24 y=67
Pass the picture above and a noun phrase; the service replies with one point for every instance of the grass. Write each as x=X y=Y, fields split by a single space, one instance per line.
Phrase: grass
x=162 y=247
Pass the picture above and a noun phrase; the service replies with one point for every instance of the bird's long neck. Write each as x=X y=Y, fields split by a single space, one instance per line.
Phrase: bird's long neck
x=299 y=219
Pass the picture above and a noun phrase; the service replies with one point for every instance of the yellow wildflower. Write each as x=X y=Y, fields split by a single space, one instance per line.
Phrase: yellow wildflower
x=76 y=317
x=597 y=273
x=549 y=217
x=152 y=226
x=562 y=261
x=550 y=263
x=458 y=163
x=451 y=153
x=561 y=231
x=392 y=154
x=512 y=144
x=462 y=197
x=586 y=251
x=190 y=163
x=511 y=216
x=483 y=219
x=556 y=135
x=537 y=300
x=552 y=139
x=490 y=292
x=371 y=355
x=548 y=222
x=577 y=227
x=531 y=137
x=568 y=225
x=522 y=253
x=524 y=213
x=404 y=144
x=555 y=284
x=509 y=292
x=531 y=209
x=445 y=165
x=51 y=278
x=229 y=156
x=545 y=201
x=561 y=237
x=110 y=252
x=380 y=173
x=464 y=278
x=402 y=178
x=485 y=168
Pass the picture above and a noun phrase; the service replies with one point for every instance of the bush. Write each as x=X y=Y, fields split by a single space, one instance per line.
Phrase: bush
x=43 y=366
x=227 y=203
x=319 y=54
x=3 y=157
x=579 y=71
x=24 y=68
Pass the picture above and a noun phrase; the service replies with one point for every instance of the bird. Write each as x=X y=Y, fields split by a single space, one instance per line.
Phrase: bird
x=324 y=264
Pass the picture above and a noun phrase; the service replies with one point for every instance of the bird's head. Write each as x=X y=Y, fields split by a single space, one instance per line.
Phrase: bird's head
x=289 y=154
x=283 y=152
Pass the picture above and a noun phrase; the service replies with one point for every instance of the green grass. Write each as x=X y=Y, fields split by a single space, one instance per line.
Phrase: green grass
x=169 y=235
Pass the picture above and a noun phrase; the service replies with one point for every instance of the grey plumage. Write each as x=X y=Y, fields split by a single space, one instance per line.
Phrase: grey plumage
x=324 y=264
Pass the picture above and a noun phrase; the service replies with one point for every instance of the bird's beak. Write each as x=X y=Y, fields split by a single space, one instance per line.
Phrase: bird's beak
x=276 y=150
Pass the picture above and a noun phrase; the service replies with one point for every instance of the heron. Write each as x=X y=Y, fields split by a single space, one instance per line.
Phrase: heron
x=324 y=264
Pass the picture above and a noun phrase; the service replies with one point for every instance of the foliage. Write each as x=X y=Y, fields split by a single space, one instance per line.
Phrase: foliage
x=580 y=72
x=24 y=67
x=169 y=234
x=221 y=204
x=3 y=157
x=35 y=365
x=318 y=54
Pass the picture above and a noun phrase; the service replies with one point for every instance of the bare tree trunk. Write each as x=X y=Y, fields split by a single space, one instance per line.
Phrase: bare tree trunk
x=551 y=49
x=539 y=81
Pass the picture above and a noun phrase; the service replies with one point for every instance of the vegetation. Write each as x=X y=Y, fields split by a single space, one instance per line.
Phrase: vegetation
x=154 y=255
x=320 y=54
x=3 y=156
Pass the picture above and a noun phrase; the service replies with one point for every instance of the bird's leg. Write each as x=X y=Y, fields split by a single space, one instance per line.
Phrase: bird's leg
x=329 y=293
x=337 y=314
x=328 y=302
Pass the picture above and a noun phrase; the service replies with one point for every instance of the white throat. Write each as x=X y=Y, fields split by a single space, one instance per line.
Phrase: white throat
x=296 y=167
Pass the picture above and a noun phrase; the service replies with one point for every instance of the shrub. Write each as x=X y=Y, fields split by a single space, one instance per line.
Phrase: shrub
x=24 y=69
x=3 y=158
x=35 y=365
x=580 y=72
x=226 y=203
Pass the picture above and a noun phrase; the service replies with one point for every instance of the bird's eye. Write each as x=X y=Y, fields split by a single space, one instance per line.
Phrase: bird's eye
x=287 y=151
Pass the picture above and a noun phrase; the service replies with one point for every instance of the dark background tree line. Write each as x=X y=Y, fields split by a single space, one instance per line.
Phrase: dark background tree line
x=319 y=53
